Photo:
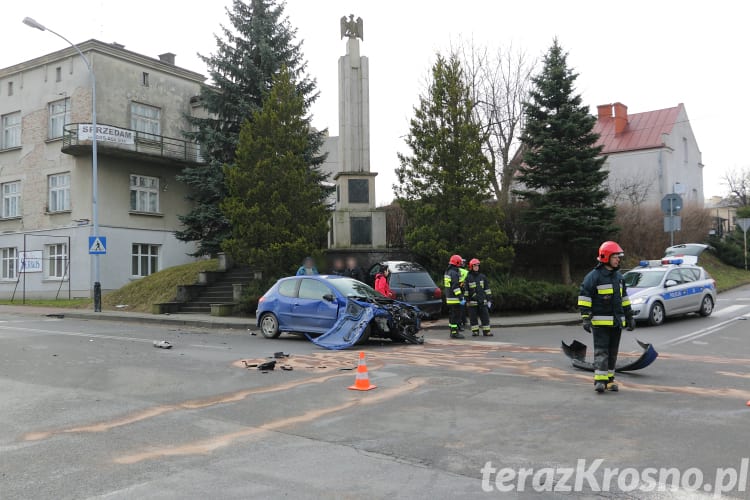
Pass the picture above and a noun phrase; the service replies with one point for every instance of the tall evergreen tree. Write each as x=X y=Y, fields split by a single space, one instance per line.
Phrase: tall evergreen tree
x=562 y=176
x=444 y=185
x=250 y=54
x=277 y=203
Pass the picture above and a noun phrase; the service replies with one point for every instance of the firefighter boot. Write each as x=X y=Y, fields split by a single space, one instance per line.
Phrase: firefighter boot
x=612 y=385
x=455 y=334
x=599 y=387
x=475 y=331
x=486 y=331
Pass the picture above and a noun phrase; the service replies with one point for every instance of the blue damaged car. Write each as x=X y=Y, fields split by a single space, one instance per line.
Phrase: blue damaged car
x=662 y=288
x=335 y=312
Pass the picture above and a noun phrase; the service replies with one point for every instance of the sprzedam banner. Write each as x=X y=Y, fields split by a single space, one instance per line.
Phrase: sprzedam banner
x=595 y=478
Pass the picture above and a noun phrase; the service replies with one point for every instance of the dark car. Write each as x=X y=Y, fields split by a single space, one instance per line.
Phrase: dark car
x=314 y=305
x=412 y=284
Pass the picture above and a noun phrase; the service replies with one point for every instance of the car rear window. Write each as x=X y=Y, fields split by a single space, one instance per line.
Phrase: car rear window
x=643 y=279
x=288 y=288
x=411 y=280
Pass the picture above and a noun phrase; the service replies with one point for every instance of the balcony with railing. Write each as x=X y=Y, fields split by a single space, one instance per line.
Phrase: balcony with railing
x=128 y=143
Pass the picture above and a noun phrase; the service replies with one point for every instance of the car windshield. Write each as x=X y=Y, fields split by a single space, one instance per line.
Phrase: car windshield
x=354 y=289
x=643 y=279
x=415 y=280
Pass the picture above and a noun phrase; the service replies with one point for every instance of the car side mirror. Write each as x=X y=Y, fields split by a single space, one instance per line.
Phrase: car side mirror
x=329 y=297
x=670 y=283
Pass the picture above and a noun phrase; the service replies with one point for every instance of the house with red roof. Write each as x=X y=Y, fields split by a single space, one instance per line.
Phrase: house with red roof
x=650 y=154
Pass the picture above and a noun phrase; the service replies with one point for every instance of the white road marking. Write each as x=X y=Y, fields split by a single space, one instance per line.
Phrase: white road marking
x=728 y=310
x=704 y=331
x=92 y=336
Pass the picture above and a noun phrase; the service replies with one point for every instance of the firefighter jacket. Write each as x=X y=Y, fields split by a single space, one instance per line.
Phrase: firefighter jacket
x=452 y=285
x=477 y=288
x=603 y=298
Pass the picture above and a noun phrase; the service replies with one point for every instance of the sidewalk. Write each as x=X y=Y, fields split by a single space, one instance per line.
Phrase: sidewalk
x=245 y=323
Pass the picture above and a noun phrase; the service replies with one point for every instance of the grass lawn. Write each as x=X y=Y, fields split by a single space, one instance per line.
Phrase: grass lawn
x=726 y=276
x=140 y=294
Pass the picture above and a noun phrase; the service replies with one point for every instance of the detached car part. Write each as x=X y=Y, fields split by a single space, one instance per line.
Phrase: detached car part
x=576 y=351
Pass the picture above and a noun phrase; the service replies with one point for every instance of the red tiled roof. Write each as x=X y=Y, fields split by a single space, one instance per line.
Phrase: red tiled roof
x=643 y=131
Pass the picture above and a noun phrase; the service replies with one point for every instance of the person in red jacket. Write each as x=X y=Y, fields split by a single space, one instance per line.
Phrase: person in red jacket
x=381 y=283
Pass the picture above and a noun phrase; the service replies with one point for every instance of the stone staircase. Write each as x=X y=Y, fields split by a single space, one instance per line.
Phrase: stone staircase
x=218 y=291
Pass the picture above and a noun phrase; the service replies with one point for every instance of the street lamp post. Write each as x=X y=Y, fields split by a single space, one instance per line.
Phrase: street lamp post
x=94 y=160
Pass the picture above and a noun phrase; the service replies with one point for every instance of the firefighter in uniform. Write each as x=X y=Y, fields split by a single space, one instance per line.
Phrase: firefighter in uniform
x=463 y=273
x=454 y=296
x=605 y=310
x=479 y=299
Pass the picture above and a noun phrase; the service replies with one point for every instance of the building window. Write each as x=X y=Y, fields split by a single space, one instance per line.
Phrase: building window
x=10 y=89
x=11 y=137
x=144 y=194
x=11 y=199
x=684 y=149
x=57 y=262
x=361 y=230
x=8 y=263
x=144 y=79
x=145 y=259
x=145 y=119
x=359 y=191
x=58 y=74
x=59 y=115
x=59 y=192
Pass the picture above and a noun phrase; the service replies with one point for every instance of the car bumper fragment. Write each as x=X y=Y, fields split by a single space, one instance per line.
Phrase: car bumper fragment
x=576 y=351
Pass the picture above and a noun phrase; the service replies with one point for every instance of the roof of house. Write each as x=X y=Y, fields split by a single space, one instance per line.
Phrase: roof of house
x=643 y=131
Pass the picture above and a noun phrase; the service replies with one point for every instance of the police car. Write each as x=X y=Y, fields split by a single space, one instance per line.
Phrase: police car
x=668 y=287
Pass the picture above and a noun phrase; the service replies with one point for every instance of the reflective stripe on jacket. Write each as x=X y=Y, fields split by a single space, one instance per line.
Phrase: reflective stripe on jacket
x=452 y=285
x=603 y=297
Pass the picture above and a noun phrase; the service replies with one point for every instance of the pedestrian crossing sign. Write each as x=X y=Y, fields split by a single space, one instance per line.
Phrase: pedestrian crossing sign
x=97 y=245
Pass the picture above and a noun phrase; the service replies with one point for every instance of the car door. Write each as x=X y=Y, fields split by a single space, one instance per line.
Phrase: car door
x=287 y=297
x=676 y=299
x=311 y=311
x=693 y=292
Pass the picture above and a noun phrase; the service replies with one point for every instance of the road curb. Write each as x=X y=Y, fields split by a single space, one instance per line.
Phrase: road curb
x=161 y=320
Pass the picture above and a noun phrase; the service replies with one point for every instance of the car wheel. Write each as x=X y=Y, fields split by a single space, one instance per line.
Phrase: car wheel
x=656 y=315
x=269 y=326
x=365 y=335
x=707 y=306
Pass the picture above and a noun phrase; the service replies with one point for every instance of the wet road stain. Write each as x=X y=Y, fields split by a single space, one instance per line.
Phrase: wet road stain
x=185 y=405
x=206 y=446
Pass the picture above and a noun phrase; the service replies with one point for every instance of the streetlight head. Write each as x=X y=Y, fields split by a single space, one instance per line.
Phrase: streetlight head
x=30 y=22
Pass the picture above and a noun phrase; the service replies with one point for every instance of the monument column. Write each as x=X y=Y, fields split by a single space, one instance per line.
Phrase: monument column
x=356 y=221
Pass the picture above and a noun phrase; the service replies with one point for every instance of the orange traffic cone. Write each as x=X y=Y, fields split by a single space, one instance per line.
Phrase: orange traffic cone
x=748 y=403
x=362 y=383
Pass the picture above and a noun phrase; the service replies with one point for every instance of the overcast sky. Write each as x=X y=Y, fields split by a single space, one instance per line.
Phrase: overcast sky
x=645 y=54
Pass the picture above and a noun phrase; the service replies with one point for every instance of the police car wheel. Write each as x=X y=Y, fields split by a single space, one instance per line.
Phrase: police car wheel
x=707 y=306
x=656 y=315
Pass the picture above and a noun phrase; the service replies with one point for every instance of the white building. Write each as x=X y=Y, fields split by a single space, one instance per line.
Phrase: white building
x=45 y=168
x=650 y=154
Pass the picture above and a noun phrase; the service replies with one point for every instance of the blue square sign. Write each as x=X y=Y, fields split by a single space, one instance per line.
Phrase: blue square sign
x=97 y=245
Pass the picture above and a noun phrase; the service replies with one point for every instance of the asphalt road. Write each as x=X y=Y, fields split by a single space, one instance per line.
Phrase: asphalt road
x=90 y=409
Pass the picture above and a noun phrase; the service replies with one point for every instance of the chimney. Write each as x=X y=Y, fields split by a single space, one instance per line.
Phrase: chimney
x=621 y=117
x=167 y=58
x=604 y=111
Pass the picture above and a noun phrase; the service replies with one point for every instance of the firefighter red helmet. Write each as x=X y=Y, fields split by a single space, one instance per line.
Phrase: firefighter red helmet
x=456 y=260
x=473 y=262
x=607 y=250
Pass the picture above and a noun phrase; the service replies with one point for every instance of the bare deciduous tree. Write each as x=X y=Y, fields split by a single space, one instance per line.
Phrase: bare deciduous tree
x=738 y=182
x=632 y=190
x=499 y=83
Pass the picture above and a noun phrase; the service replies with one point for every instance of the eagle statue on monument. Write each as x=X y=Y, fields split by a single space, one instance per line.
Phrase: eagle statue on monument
x=352 y=28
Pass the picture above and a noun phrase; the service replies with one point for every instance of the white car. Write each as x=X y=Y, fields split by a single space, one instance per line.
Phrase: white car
x=662 y=288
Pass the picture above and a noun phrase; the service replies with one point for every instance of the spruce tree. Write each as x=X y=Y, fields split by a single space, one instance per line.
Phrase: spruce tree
x=251 y=52
x=562 y=177
x=277 y=204
x=444 y=185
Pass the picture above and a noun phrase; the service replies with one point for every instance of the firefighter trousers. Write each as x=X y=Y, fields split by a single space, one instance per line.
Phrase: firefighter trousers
x=454 y=317
x=606 y=347
x=478 y=313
